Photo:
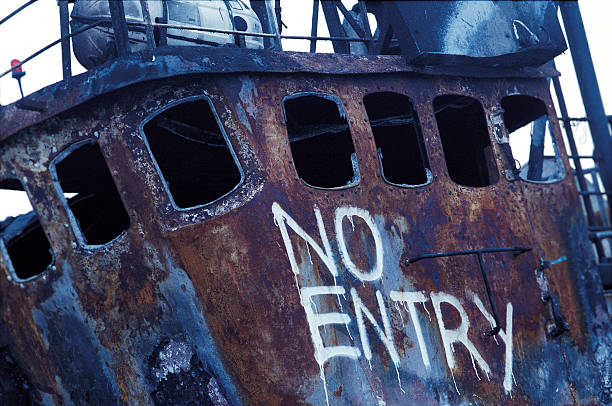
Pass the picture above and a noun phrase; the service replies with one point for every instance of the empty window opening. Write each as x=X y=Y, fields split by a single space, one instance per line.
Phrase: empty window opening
x=320 y=140
x=533 y=147
x=92 y=197
x=465 y=140
x=398 y=138
x=192 y=153
x=27 y=247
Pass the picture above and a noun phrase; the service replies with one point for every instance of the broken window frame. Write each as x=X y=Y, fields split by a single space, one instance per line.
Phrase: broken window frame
x=493 y=164
x=6 y=258
x=74 y=223
x=342 y=111
x=160 y=174
x=549 y=127
x=420 y=141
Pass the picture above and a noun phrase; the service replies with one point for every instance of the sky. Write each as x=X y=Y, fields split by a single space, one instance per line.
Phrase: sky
x=39 y=24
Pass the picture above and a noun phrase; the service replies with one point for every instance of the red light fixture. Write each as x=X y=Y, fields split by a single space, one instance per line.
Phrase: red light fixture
x=17 y=72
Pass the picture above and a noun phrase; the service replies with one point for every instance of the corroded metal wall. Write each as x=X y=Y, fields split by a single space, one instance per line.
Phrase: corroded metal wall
x=187 y=295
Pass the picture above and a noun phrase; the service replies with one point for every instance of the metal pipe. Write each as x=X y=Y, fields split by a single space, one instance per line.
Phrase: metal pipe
x=589 y=89
x=600 y=228
x=595 y=193
x=515 y=250
x=536 y=149
x=65 y=33
x=483 y=271
x=249 y=34
x=573 y=118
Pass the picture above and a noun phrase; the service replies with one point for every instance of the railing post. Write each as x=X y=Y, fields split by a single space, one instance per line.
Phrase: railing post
x=163 y=31
x=147 y=19
x=120 y=28
x=314 y=27
x=65 y=32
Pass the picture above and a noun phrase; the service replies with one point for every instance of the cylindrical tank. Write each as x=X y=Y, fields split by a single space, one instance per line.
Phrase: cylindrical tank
x=96 y=45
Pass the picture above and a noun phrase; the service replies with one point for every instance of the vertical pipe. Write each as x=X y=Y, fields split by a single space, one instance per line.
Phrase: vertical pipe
x=315 y=24
x=120 y=29
x=589 y=89
x=65 y=33
x=279 y=23
x=536 y=149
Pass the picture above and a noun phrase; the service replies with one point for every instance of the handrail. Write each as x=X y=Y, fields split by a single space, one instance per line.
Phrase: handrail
x=180 y=27
x=118 y=23
x=11 y=15
x=220 y=31
x=40 y=51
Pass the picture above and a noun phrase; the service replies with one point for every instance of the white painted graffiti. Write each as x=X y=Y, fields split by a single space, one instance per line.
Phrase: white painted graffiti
x=316 y=320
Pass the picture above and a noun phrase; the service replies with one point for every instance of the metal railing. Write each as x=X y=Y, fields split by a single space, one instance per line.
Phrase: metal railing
x=121 y=28
x=599 y=227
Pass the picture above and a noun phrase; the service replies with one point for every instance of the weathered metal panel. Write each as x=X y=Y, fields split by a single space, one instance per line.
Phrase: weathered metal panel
x=173 y=61
x=466 y=32
x=212 y=290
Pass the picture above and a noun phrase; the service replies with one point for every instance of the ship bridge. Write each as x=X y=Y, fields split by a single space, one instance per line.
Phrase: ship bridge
x=218 y=221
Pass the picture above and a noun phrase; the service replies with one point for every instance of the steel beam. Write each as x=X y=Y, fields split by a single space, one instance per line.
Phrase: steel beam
x=335 y=27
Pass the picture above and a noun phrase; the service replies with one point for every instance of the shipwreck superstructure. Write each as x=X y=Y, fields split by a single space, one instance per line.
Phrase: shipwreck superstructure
x=228 y=225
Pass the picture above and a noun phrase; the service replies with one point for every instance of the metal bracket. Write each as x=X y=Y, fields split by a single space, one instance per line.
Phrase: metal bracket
x=559 y=324
x=497 y=119
x=511 y=175
x=32 y=105
x=547 y=264
x=515 y=250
